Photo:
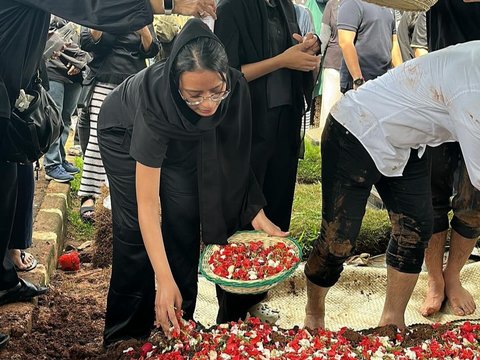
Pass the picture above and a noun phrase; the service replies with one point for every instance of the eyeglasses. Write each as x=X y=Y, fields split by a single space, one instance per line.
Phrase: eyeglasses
x=197 y=100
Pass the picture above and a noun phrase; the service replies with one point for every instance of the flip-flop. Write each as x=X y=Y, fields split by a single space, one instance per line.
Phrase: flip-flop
x=32 y=266
x=84 y=210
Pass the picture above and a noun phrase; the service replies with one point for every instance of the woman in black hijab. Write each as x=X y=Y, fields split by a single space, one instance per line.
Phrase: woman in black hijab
x=191 y=117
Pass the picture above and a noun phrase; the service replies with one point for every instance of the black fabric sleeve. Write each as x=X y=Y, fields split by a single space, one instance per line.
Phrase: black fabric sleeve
x=5 y=110
x=229 y=34
x=101 y=46
x=154 y=47
x=255 y=201
x=147 y=146
x=115 y=16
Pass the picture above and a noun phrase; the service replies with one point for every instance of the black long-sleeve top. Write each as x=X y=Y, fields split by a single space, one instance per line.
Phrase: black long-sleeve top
x=116 y=56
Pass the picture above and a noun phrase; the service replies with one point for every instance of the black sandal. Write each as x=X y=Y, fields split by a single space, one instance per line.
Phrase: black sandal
x=32 y=266
x=87 y=213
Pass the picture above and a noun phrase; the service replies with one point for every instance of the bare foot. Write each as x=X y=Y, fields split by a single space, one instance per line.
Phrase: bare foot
x=459 y=298
x=434 y=298
x=21 y=262
x=314 y=321
x=315 y=308
x=392 y=319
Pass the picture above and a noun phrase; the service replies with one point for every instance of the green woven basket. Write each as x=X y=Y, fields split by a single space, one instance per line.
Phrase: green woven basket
x=249 y=286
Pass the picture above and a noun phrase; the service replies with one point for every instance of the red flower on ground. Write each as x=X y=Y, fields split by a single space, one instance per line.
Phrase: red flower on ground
x=69 y=261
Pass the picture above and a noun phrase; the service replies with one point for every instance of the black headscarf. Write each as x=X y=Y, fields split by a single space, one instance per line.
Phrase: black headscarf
x=149 y=104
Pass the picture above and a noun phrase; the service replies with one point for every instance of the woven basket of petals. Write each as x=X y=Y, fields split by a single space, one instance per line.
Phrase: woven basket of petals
x=406 y=5
x=252 y=262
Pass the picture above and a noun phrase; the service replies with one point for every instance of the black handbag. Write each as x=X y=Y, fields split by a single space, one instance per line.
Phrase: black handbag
x=29 y=133
x=86 y=93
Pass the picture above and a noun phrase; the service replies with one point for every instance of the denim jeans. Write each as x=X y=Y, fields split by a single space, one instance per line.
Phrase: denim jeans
x=348 y=174
x=66 y=97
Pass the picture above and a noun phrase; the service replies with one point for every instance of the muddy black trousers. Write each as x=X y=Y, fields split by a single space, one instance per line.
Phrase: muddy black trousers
x=131 y=295
x=274 y=163
x=348 y=174
x=452 y=190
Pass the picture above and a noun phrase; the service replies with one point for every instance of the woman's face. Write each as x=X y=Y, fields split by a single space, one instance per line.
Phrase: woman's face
x=202 y=90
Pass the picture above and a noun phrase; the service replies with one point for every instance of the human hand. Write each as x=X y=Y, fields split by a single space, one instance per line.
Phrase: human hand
x=310 y=42
x=72 y=70
x=198 y=8
x=262 y=223
x=168 y=301
x=295 y=58
x=96 y=34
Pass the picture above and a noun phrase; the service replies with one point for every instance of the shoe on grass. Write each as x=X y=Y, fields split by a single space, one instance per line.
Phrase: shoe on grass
x=57 y=173
x=70 y=168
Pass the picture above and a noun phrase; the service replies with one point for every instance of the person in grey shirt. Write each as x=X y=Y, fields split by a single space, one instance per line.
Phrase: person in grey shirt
x=368 y=39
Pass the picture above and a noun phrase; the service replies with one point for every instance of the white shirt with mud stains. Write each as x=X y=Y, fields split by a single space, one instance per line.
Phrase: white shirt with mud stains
x=426 y=101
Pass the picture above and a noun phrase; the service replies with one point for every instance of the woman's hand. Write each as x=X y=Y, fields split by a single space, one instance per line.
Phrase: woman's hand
x=261 y=222
x=310 y=42
x=297 y=58
x=168 y=301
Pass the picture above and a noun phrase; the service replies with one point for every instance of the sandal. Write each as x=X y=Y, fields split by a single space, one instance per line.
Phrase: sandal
x=87 y=212
x=264 y=313
x=23 y=256
x=359 y=260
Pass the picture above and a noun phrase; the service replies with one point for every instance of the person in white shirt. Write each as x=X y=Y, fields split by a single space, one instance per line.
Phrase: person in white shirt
x=378 y=135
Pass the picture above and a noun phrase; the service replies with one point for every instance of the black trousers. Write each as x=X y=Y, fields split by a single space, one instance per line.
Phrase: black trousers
x=16 y=216
x=348 y=174
x=274 y=162
x=452 y=190
x=23 y=223
x=131 y=296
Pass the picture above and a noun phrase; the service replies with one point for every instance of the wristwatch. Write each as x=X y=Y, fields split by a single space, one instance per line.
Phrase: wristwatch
x=168 y=6
x=359 y=82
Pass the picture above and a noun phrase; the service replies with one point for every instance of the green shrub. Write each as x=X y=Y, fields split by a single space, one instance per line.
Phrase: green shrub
x=306 y=219
x=309 y=168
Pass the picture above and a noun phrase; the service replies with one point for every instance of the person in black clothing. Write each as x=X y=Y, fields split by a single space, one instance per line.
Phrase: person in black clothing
x=115 y=57
x=451 y=22
x=24 y=28
x=181 y=130
x=258 y=38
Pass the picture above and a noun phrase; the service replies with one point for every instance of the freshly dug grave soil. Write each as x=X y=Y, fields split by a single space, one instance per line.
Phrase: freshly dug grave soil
x=68 y=323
